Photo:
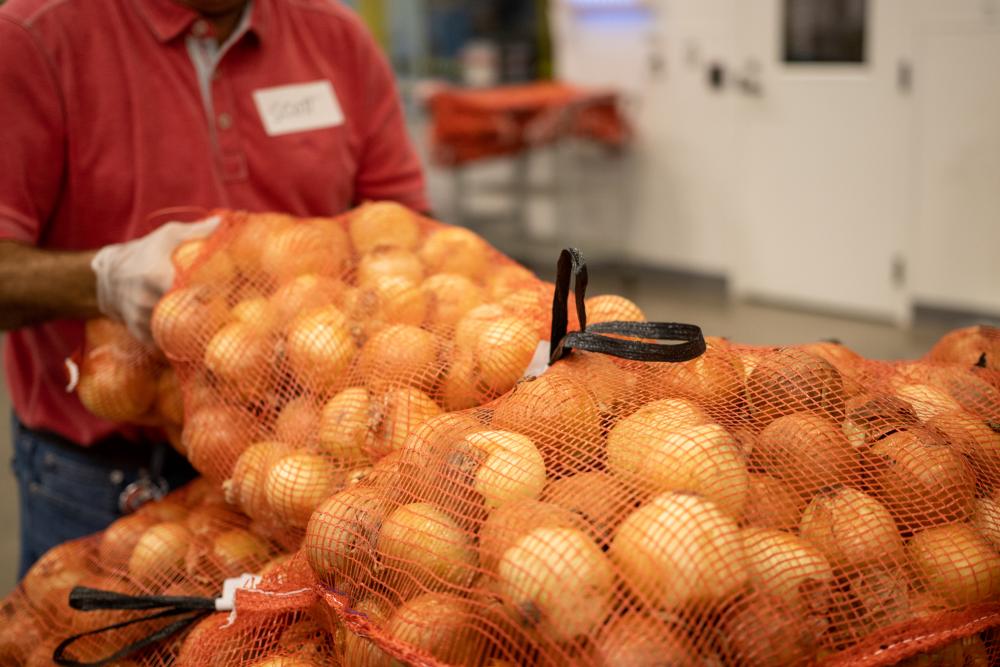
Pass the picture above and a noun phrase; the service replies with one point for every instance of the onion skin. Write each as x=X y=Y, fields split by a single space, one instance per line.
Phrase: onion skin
x=781 y=564
x=343 y=424
x=214 y=437
x=426 y=544
x=851 y=529
x=455 y=250
x=389 y=262
x=319 y=348
x=296 y=484
x=438 y=624
x=400 y=354
x=596 y=497
x=159 y=554
x=508 y=524
x=761 y=630
x=975 y=440
x=383 y=224
x=116 y=385
x=956 y=564
x=612 y=308
x=643 y=641
x=678 y=550
x=185 y=319
x=772 y=503
x=341 y=536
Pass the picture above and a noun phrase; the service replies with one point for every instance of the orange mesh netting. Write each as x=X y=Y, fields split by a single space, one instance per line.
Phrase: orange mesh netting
x=308 y=349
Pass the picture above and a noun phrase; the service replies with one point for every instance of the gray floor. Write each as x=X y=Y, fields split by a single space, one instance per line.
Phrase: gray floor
x=663 y=297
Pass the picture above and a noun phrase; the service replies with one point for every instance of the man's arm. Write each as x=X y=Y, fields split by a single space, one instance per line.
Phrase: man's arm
x=39 y=285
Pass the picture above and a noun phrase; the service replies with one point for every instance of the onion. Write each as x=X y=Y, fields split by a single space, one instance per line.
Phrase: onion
x=662 y=456
x=159 y=554
x=360 y=650
x=319 y=348
x=211 y=518
x=956 y=564
x=246 y=487
x=306 y=639
x=383 y=223
x=286 y=661
x=927 y=401
x=680 y=549
x=616 y=387
x=422 y=542
x=115 y=385
x=437 y=624
x=298 y=423
x=341 y=536
x=507 y=279
x=851 y=529
x=504 y=527
x=772 y=503
x=713 y=380
x=783 y=565
x=389 y=262
x=240 y=355
x=250 y=236
x=506 y=467
x=643 y=641
x=119 y=539
x=168 y=509
x=169 y=400
x=875 y=597
x=673 y=413
x=849 y=363
x=923 y=482
x=597 y=497
x=965 y=346
x=214 y=437
x=451 y=296
x=976 y=441
x=48 y=582
x=558 y=581
x=807 y=452
x=455 y=250
x=395 y=415
x=503 y=351
x=469 y=328
x=762 y=630
x=965 y=652
x=185 y=319
x=197 y=264
x=276 y=568
x=562 y=418
x=343 y=422
x=304 y=247
x=791 y=380
x=102 y=331
x=528 y=304
x=237 y=551
x=461 y=388
x=296 y=484
x=986 y=519
x=304 y=293
x=973 y=392
x=399 y=354
x=612 y=308
x=392 y=300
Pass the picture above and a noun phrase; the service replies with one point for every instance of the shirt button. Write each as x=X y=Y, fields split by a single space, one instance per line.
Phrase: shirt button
x=200 y=28
x=225 y=121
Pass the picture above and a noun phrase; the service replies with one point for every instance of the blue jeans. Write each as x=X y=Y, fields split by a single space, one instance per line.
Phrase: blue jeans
x=68 y=491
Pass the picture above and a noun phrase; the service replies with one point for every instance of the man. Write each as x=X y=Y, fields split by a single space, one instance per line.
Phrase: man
x=121 y=115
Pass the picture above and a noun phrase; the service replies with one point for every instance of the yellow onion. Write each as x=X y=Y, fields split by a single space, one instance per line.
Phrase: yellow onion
x=423 y=542
x=503 y=351
x=976 y=441
x=469 y=328
x=198 y=264
x=301 y=294
x=986 y=519
x=119 y=539
x=296 y=483
x=159 y=554
x=558 y=581
x=851 y=528
x=762 y=630
x=451 y=297
x=507 y=279
x=344 y=422
x=680 y=549
x=806 y=451
x=383 y=223
x=308 y=246
x=169 y=400
x=644 y=641
x=507 y=467
x=319 y=348
x=246 y=487
x=214 y=437
x=185 y=319
x=955 y=563
x=790 y=380
x=298 y=422
x=384 y=262
x=399 y=354
x=437 y=624
x=927 y=401
x=782 y=564
x=612 y=308
x=658 y=454
x=240 y=356
x=505 y=526
x=599 y=498
x=398 y=412
x=455 y=250
x=772 y=503
x=341 y=536
x=116 y=385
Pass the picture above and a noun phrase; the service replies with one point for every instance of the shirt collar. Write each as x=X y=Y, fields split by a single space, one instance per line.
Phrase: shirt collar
x=168 y=19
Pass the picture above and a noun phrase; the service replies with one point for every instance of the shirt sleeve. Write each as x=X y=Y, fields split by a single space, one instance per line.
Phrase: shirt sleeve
x=388 y=167
x=31 y=115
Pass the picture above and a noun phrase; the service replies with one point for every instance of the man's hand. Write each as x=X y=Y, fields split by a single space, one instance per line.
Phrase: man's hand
x=131 y=277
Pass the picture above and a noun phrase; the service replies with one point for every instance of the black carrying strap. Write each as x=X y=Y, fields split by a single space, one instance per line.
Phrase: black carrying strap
x=688 y=341
x=981 y=363
x=92 y=599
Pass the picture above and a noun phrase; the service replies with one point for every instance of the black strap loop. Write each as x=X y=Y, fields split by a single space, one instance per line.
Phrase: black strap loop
x=981 y=363
x=91 y=599
x=573 y=268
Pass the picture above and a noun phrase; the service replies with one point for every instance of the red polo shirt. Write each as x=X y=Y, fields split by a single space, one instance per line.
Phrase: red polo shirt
x=103 y=129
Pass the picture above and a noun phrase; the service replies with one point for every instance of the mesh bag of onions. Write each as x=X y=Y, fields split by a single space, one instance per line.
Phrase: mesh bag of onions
x=748 y=506
x=308 y=349
x=186 y=544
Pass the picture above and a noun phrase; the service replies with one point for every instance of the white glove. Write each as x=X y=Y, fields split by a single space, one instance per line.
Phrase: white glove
x=132 y=276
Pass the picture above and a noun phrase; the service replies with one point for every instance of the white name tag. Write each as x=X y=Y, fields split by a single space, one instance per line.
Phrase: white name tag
x=298 y=107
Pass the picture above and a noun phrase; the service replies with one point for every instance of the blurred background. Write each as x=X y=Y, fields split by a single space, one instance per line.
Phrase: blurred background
x=776 y=171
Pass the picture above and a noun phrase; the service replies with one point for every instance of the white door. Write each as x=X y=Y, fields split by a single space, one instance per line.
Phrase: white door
x=825 y=161
x=956 y=240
